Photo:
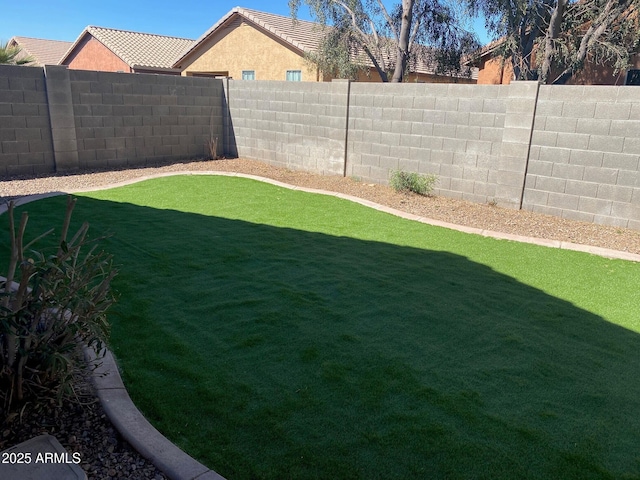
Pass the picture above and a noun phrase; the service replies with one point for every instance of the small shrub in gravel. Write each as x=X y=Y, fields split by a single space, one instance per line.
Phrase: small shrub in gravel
x=402 y=181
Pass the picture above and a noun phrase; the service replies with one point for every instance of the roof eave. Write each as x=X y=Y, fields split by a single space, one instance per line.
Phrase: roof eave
x=302 y=49
x=75 y=44
x=204 y=37
x=159 y=69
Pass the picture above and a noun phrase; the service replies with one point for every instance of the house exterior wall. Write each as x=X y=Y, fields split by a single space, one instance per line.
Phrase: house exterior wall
x=241 y=46
x=594 y=74
x=90 y=54
x=493 y=71
x=373 y=76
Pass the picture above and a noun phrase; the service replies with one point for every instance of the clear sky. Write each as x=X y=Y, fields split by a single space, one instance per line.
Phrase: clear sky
x=66 y=19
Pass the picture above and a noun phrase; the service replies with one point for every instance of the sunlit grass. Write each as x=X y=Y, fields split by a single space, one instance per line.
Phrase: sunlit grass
x=279 y=334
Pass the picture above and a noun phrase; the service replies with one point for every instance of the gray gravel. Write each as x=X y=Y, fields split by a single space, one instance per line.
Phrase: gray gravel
x=81 y=426
x=460 y=212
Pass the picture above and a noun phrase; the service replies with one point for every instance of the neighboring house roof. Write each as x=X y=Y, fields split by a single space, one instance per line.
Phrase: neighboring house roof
x=43 y=52
x=300 y=35
x=138 y=50
x=474 y=58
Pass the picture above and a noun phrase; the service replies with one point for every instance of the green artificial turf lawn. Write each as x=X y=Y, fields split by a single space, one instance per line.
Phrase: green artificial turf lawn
x=279 y=334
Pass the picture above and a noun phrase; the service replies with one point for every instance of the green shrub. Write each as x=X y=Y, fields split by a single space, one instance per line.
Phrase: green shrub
x=402 y=181
x=58 y=299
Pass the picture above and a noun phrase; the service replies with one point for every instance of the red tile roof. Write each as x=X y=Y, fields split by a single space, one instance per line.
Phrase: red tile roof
x=136 y=49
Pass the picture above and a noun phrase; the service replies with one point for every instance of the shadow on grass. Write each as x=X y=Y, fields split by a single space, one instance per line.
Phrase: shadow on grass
x=277 y=353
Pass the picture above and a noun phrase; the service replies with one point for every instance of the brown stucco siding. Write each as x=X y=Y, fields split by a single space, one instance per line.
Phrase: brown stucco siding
x=494 y=71
x=90 y=54
x=594 y=74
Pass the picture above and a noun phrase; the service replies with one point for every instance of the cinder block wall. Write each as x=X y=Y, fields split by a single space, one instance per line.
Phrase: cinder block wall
x=585 y=154
x=297 y=125
x=26 y=146
x=457 y=132
x=571 y=151
x=124 y=119
x=453 y=131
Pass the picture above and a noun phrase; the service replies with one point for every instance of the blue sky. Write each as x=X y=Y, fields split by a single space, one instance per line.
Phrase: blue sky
x=65 y=19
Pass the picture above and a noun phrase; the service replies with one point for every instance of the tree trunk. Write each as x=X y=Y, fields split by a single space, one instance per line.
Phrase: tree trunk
x=553 y=32
x=403 y=40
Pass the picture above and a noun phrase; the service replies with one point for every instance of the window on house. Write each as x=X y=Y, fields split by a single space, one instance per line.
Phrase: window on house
x=294 y=76
x=248 y=74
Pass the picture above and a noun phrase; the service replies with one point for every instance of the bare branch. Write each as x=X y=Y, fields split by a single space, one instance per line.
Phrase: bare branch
x=387 y=17
x=354 y=19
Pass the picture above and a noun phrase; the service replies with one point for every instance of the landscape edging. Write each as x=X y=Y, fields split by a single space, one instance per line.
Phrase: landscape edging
x=600 y=251
x=135 y=428
x=113 y=395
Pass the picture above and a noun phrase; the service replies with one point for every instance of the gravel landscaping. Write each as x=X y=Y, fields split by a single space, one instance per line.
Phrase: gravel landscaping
x=82 y=426
x=460 y=212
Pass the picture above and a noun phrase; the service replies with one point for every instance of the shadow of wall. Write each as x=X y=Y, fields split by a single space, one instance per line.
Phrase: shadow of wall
x=491 y=374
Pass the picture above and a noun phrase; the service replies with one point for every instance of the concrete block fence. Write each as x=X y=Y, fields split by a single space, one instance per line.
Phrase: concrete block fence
x=293 y=125
x=585 y=150
x=53 y=119
x=570 y=151
x=474 y=137
x=26 y=144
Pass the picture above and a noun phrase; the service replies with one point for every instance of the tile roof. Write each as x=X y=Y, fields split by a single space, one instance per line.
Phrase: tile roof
x=303 y=35
x=137 y=49
x=44 y=52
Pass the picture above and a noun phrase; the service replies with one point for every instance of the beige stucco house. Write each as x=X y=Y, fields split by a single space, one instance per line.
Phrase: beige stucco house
x=247 y=44
x=252 y=45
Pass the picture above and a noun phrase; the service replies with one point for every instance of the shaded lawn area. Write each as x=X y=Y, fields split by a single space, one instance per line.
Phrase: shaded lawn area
x=278 y=334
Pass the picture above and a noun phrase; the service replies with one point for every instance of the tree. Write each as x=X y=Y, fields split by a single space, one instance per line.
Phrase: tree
x=550 y=40
x=390 y=39
x=11 y=55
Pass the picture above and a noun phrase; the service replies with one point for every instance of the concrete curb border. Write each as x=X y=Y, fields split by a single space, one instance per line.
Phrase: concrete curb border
x=136 y=429
x=113 y=395
x=602 y=252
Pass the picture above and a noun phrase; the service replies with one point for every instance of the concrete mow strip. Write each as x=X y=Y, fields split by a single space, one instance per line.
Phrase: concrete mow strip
x=136 y=429
x=603 y=252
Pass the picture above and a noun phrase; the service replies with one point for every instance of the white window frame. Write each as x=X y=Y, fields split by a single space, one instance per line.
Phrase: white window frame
x=291 y=74
x=248 y=74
